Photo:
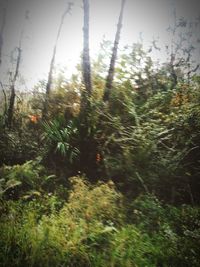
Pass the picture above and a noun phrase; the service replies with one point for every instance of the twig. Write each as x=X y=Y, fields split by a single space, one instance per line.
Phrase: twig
x=142 y=182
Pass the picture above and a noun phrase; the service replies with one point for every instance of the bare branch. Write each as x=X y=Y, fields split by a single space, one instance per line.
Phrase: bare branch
x=50 y=75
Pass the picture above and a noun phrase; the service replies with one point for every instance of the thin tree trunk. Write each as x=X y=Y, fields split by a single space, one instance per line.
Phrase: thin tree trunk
x=86 y=55
x=111 y=70
x=48 y=86
x=5 y=101
x=50 y=75
x=173 y=72
x=11 y=105
x=85 y=142
x=3 y=23
x=1 y=32
x=173 y=53
x=12 y=88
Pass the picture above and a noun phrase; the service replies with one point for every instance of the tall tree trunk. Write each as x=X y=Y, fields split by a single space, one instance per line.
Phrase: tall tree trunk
x=11 y=105
x=111 y=70
x=173 y=71
x=50 y=75
x=5 y=102
x=12 y=88
x=85 y=141
x=86 y=55
x=3 y=23
x=48 y=85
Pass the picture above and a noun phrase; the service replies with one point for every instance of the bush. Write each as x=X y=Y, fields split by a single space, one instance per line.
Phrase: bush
x=25 y=181
x=68 y=237
x=173 y=231
x=18 y=146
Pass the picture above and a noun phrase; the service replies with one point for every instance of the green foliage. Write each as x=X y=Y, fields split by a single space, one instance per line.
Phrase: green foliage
x=131 y=248
x=174 y=231
x=156 y=142
x=61 y=149
x=17 y=146
x=100 y=202
x=146 y=140
x=66 y=237
x=25 y=181
x=92 y=229
x=150 y=216
x=69 y=237
x=60 y=139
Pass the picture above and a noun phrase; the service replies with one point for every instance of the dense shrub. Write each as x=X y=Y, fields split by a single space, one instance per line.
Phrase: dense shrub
x=25 y=181
x=92 y=229
x=173 y=231
x=85 y=232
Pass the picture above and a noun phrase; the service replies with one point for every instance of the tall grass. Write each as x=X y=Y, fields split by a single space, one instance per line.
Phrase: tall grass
x=93 y=229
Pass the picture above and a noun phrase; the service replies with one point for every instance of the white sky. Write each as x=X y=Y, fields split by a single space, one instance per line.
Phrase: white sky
x=151 y=17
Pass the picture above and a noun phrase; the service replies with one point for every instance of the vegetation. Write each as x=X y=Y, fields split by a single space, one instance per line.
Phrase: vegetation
x=104 y=183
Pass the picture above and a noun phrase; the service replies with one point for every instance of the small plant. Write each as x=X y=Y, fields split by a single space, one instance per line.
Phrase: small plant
x=61 y=139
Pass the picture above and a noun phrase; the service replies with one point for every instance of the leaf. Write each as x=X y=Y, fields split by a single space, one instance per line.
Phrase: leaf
x=49 y=177
x=11 y=184
x=31 y=194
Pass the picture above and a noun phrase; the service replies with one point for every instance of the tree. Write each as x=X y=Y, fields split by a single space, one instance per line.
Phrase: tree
x=86 y=55
x=49 y=82
x=10 y=111
x=3 y=23
x=111 y=70
x=184 y=42
x=12 y=87
x=87 y=123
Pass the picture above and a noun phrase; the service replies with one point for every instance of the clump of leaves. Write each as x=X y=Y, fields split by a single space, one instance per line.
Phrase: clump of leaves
x=61 y=139
x=100 y=202
x=25 y=181
x=17 y=146
x=173 y=231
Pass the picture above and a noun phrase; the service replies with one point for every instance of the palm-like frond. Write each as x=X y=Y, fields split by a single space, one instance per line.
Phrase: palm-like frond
x=62 y=138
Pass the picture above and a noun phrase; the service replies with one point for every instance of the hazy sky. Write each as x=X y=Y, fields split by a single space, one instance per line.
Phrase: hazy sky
x=151 y=17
